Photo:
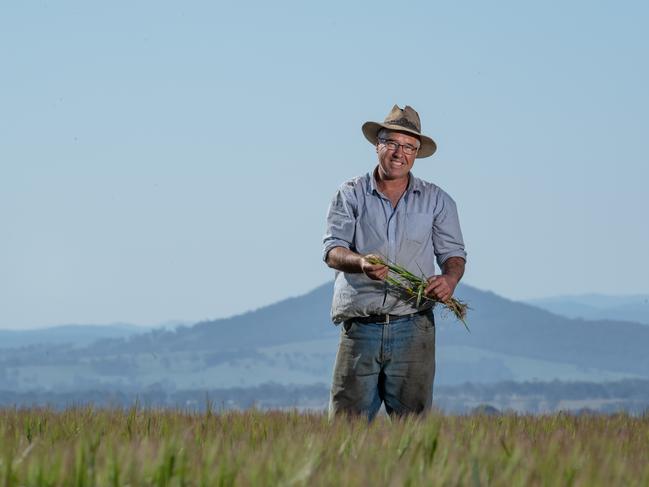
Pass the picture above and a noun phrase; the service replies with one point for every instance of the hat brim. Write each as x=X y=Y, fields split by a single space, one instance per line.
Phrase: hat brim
x=371 y=133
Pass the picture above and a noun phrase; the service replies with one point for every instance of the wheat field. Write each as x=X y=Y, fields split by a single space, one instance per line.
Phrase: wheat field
x=112 y=447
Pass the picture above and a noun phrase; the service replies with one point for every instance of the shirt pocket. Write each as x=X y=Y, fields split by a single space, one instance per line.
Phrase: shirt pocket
x=419 y=227
x=369 y=239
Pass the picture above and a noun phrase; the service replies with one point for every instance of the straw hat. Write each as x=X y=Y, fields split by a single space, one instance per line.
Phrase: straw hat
x=404 y=120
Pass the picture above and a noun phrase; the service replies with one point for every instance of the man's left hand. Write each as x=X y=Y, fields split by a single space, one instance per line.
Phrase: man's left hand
x=441 y=287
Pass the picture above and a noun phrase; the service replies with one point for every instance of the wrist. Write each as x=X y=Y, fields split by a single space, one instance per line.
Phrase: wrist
x=453 y=279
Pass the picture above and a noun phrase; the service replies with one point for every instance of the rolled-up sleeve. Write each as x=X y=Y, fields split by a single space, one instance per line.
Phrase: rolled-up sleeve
x=447 y=235
x=341 y=221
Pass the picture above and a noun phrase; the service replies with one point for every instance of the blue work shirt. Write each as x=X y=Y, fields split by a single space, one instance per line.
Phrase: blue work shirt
x=423 y=227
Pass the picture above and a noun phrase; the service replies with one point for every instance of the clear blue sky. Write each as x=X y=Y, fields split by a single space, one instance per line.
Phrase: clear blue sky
x=175 y=160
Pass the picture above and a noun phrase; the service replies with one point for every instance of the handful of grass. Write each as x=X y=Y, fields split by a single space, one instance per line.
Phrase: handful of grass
x=414 y=287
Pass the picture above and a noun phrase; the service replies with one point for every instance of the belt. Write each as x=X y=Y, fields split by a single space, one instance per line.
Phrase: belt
x=387 y=318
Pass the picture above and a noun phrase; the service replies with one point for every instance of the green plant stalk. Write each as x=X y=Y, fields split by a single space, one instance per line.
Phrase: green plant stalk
x=415 y=286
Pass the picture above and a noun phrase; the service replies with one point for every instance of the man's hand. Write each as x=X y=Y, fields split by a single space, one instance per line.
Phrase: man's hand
x=441 y=287
x=373 y=271
x=345 y=260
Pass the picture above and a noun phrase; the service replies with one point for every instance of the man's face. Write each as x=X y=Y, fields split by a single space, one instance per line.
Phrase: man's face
x=395 y=163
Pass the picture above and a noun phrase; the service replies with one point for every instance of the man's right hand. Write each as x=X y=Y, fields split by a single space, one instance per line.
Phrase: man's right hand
x=345 y=260
x=373 y=271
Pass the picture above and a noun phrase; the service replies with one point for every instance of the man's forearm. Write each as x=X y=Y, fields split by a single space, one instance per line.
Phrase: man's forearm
x=454 y=268
x=345 y=260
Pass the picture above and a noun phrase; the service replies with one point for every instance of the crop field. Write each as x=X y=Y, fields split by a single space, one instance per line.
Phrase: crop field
x=110 y=447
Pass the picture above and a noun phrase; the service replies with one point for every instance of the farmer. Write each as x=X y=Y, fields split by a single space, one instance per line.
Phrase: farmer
x=387 y=344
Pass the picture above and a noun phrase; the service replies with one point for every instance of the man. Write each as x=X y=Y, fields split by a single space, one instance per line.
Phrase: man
x=387 y=345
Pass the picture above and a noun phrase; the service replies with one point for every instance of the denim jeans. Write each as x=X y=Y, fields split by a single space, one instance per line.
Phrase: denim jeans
x=392 y=363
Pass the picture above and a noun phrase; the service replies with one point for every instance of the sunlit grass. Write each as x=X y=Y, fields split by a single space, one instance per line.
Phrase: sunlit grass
x=41 y=447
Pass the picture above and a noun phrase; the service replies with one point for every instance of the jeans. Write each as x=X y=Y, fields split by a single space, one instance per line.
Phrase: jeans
x=392 y=363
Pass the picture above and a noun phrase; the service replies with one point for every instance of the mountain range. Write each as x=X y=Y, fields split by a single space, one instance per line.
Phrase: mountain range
x=79 y=335
x=293 y=342
x=598 y=307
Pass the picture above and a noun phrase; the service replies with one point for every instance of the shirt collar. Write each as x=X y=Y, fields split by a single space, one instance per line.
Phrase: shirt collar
x=414 y=183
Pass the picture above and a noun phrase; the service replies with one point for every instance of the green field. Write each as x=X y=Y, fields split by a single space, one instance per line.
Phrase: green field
x=85 y=446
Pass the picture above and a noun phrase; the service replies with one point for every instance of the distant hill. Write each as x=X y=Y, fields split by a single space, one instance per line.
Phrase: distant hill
x=505 y=326
x=77 y=335
x=294 y=342
x=497 y=324
x=598 y=307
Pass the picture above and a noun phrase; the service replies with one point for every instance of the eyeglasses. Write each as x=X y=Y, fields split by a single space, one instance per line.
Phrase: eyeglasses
x=394 y=146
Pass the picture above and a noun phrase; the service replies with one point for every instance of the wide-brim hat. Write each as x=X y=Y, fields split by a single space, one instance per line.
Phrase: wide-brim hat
x=404 y=120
